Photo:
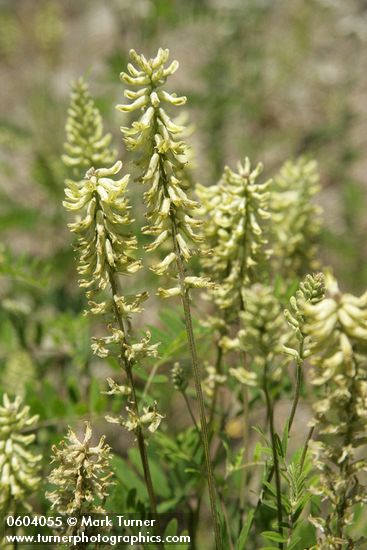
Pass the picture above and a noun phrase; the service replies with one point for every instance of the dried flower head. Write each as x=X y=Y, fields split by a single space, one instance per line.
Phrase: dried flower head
x=18 y=466
x=86 y=143
x=81 y=474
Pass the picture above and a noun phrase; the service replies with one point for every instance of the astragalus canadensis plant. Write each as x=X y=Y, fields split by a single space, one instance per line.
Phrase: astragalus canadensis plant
x=259 y=348
x=337 y=328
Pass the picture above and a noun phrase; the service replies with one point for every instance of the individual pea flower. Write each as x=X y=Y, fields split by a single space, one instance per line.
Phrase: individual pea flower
x=102 y=213
x=139 y=350
x=19 y=467
x=162 y=161
x=296 y=221
x=101 y=346
x=116 y=389
x=236 y=215
x=86 y=143
x=337 y=328
x=150 y=419
x=81 y=473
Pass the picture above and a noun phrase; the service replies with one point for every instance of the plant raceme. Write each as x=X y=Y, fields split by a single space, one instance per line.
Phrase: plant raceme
x=247 y=245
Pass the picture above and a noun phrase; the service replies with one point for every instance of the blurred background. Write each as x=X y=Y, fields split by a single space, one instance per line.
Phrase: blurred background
x=265 y=78
x=268 y=79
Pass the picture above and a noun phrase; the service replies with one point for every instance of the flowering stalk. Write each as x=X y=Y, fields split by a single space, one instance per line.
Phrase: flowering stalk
x=311 y=290
x=163 y=155
x=86 y=144
x=236 y=214
x=337 y=328
x=296 y=219
x=105 y=251
x=261 y=337
x=19 y=467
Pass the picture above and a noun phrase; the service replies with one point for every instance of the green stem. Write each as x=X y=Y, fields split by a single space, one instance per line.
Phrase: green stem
x=305 y=447
x=270 y=409
x=298 y=387
x=290 y=423
x=184 y=395
x=127 y=367
x=218 y=369
x=244 y=473
x=199 y=394
x=227 y=522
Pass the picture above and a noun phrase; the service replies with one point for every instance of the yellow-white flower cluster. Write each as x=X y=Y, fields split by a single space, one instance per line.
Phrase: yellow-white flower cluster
x=236 y=214
x=337 y=328
x=19 y=467
x=296 y=221
x=102 y=209
x=150 y=418
x=81 y=475
x=86 y=143
x=311 y=290
x=162 y=158
x=105 y=250
x=262 y=334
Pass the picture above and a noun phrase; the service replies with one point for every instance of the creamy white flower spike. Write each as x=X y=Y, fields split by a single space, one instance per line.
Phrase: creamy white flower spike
x=86 y=144
x=19 y=467
x=296 y=221
x=106 y=248
x=337 y=329
x=236 y=214
x=102 y=213
x=162 y=157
